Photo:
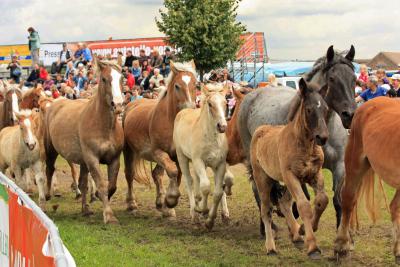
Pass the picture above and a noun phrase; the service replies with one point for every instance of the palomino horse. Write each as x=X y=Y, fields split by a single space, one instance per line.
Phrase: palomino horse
x=148 y=128
x=292 y=154
x=199 y=137
x=88 y=133
x=19 y=150
x=271 y=106
x=372 y=147
x=12 y=98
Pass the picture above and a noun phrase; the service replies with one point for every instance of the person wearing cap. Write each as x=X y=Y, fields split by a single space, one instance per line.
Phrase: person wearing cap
x=374 y=90
x=166 y=61
x=395 y=90
x=34 y=45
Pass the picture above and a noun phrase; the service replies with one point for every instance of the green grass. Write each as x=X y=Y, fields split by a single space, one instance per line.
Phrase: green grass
x=144 y=238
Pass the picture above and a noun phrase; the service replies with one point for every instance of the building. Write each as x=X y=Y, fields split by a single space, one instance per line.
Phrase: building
x=385 y=60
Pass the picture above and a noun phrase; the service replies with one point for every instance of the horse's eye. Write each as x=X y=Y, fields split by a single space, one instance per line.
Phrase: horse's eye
x=104 y=80
x=331 y=79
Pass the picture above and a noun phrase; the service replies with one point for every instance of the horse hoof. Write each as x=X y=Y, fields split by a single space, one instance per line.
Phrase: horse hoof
x=209 y=224
x=112 y=220
x=57 y=194
x=55 y=207
x=168 y=213
x=131 y=207
x=92 y=198
x=158 y=204
x=48 y=197
x=299 y=243
x=301 y=230
x=397 y=260
x=225 y=219
x=87 y=213
x=272 y=252
x=171 y=201
x=315 y=255
x=78 y=196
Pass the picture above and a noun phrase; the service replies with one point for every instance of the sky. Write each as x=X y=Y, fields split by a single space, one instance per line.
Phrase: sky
x=294 y=29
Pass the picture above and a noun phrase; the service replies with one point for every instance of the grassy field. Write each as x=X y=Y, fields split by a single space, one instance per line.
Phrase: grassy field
x=144 y=238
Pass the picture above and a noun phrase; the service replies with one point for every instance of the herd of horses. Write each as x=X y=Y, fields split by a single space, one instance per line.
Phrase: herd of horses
x=284 y=137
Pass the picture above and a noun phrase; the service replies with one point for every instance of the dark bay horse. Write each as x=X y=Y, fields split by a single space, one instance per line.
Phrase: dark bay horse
x=373 y=147
x=271 y=105
x=148 y=130
x=88 y=133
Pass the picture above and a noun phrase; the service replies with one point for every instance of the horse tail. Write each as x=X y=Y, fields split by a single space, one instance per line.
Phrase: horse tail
x=372 y=200
x=141 y=175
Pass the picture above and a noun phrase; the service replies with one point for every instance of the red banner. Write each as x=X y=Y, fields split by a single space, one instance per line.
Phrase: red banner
x=27 y=236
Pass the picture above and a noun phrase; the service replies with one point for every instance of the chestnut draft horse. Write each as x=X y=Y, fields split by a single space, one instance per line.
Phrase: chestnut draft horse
x=292 y=154
x=12 y=98
x=88 y=133
x=373 y=147
x=148 y=129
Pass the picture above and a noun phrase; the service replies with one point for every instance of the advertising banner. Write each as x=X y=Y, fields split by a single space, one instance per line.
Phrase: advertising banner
x=4 y=227
x=49 y=53
x=21 y=51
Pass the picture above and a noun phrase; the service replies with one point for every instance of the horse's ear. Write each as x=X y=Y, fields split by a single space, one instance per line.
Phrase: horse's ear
x=172 y=66
x=330 y=54
x=350 y=55
x=193 y=64
x=323 y=91
x=303 y=87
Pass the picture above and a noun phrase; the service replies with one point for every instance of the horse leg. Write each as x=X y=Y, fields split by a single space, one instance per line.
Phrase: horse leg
x=184 y=163
x=93 y=165
x=355 y=170
x=285 y=205
x=258 y=201
x=157 y=174
x=28 y=181
x=50 y=161
x=224 y=209
x=304 y=207
x=204 y=185
x=173 y=194
x=74 y=184
x=321 y=199
x=395 y=212
x=219 y=173
x=40 y=182
x=83 y=186
x=92 y=189
x=112 y=172
x=129 y=157
x=338 y=176
x=263 y=186
x=228 y=182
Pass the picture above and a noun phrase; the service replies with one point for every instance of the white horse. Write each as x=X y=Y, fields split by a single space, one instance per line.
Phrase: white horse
x=19 y=151
x=199 y=136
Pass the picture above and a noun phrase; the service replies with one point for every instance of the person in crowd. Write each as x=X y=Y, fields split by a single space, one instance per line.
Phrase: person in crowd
x=87 y=55
x=15 y=69
x=34 y=45
x=145 y=80
x=70 y=69
x=154 y=95
x=147 y=94
x=127 y=99
x=363 y=73
x=374 y=90
x=48 y=83
x=81 y=67
x=226 y=76
x=78 y=55
x=43 y=74
x=135 y=94
x=91 y=81
x=136 y=70
x=142 y=57
x=156 y=59
x=70 y=81
x=54 y=92
x=272 y=80
x=155 y=80
x=120 y=58
x=130 y=79
x=145 y=66
x=166 y=61
x=395 y=90
x=108 y=56
x=129 y=59
x=33 y=77
x=80 y=81
x=59 y=81
x=381 y=75
x=64 y=58
x=360 y=87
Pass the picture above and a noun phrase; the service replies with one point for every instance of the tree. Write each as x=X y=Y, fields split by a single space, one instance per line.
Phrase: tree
x=203 y=30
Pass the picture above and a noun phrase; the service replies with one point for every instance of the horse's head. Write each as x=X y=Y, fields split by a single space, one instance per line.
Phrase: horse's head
x=182 y=83
x=30 y=99
x=12 y=99
x=25 y=124
x=215 y=102
x=335 y=75
x=110 y=82
x=315 y=111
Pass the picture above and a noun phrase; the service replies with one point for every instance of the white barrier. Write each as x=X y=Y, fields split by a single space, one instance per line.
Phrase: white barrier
x=41 y=243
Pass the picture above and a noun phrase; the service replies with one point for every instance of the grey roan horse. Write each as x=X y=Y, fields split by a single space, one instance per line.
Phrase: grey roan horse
x=333 y=73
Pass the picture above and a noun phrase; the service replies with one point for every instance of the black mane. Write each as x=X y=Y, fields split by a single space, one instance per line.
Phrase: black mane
x=322 y=65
